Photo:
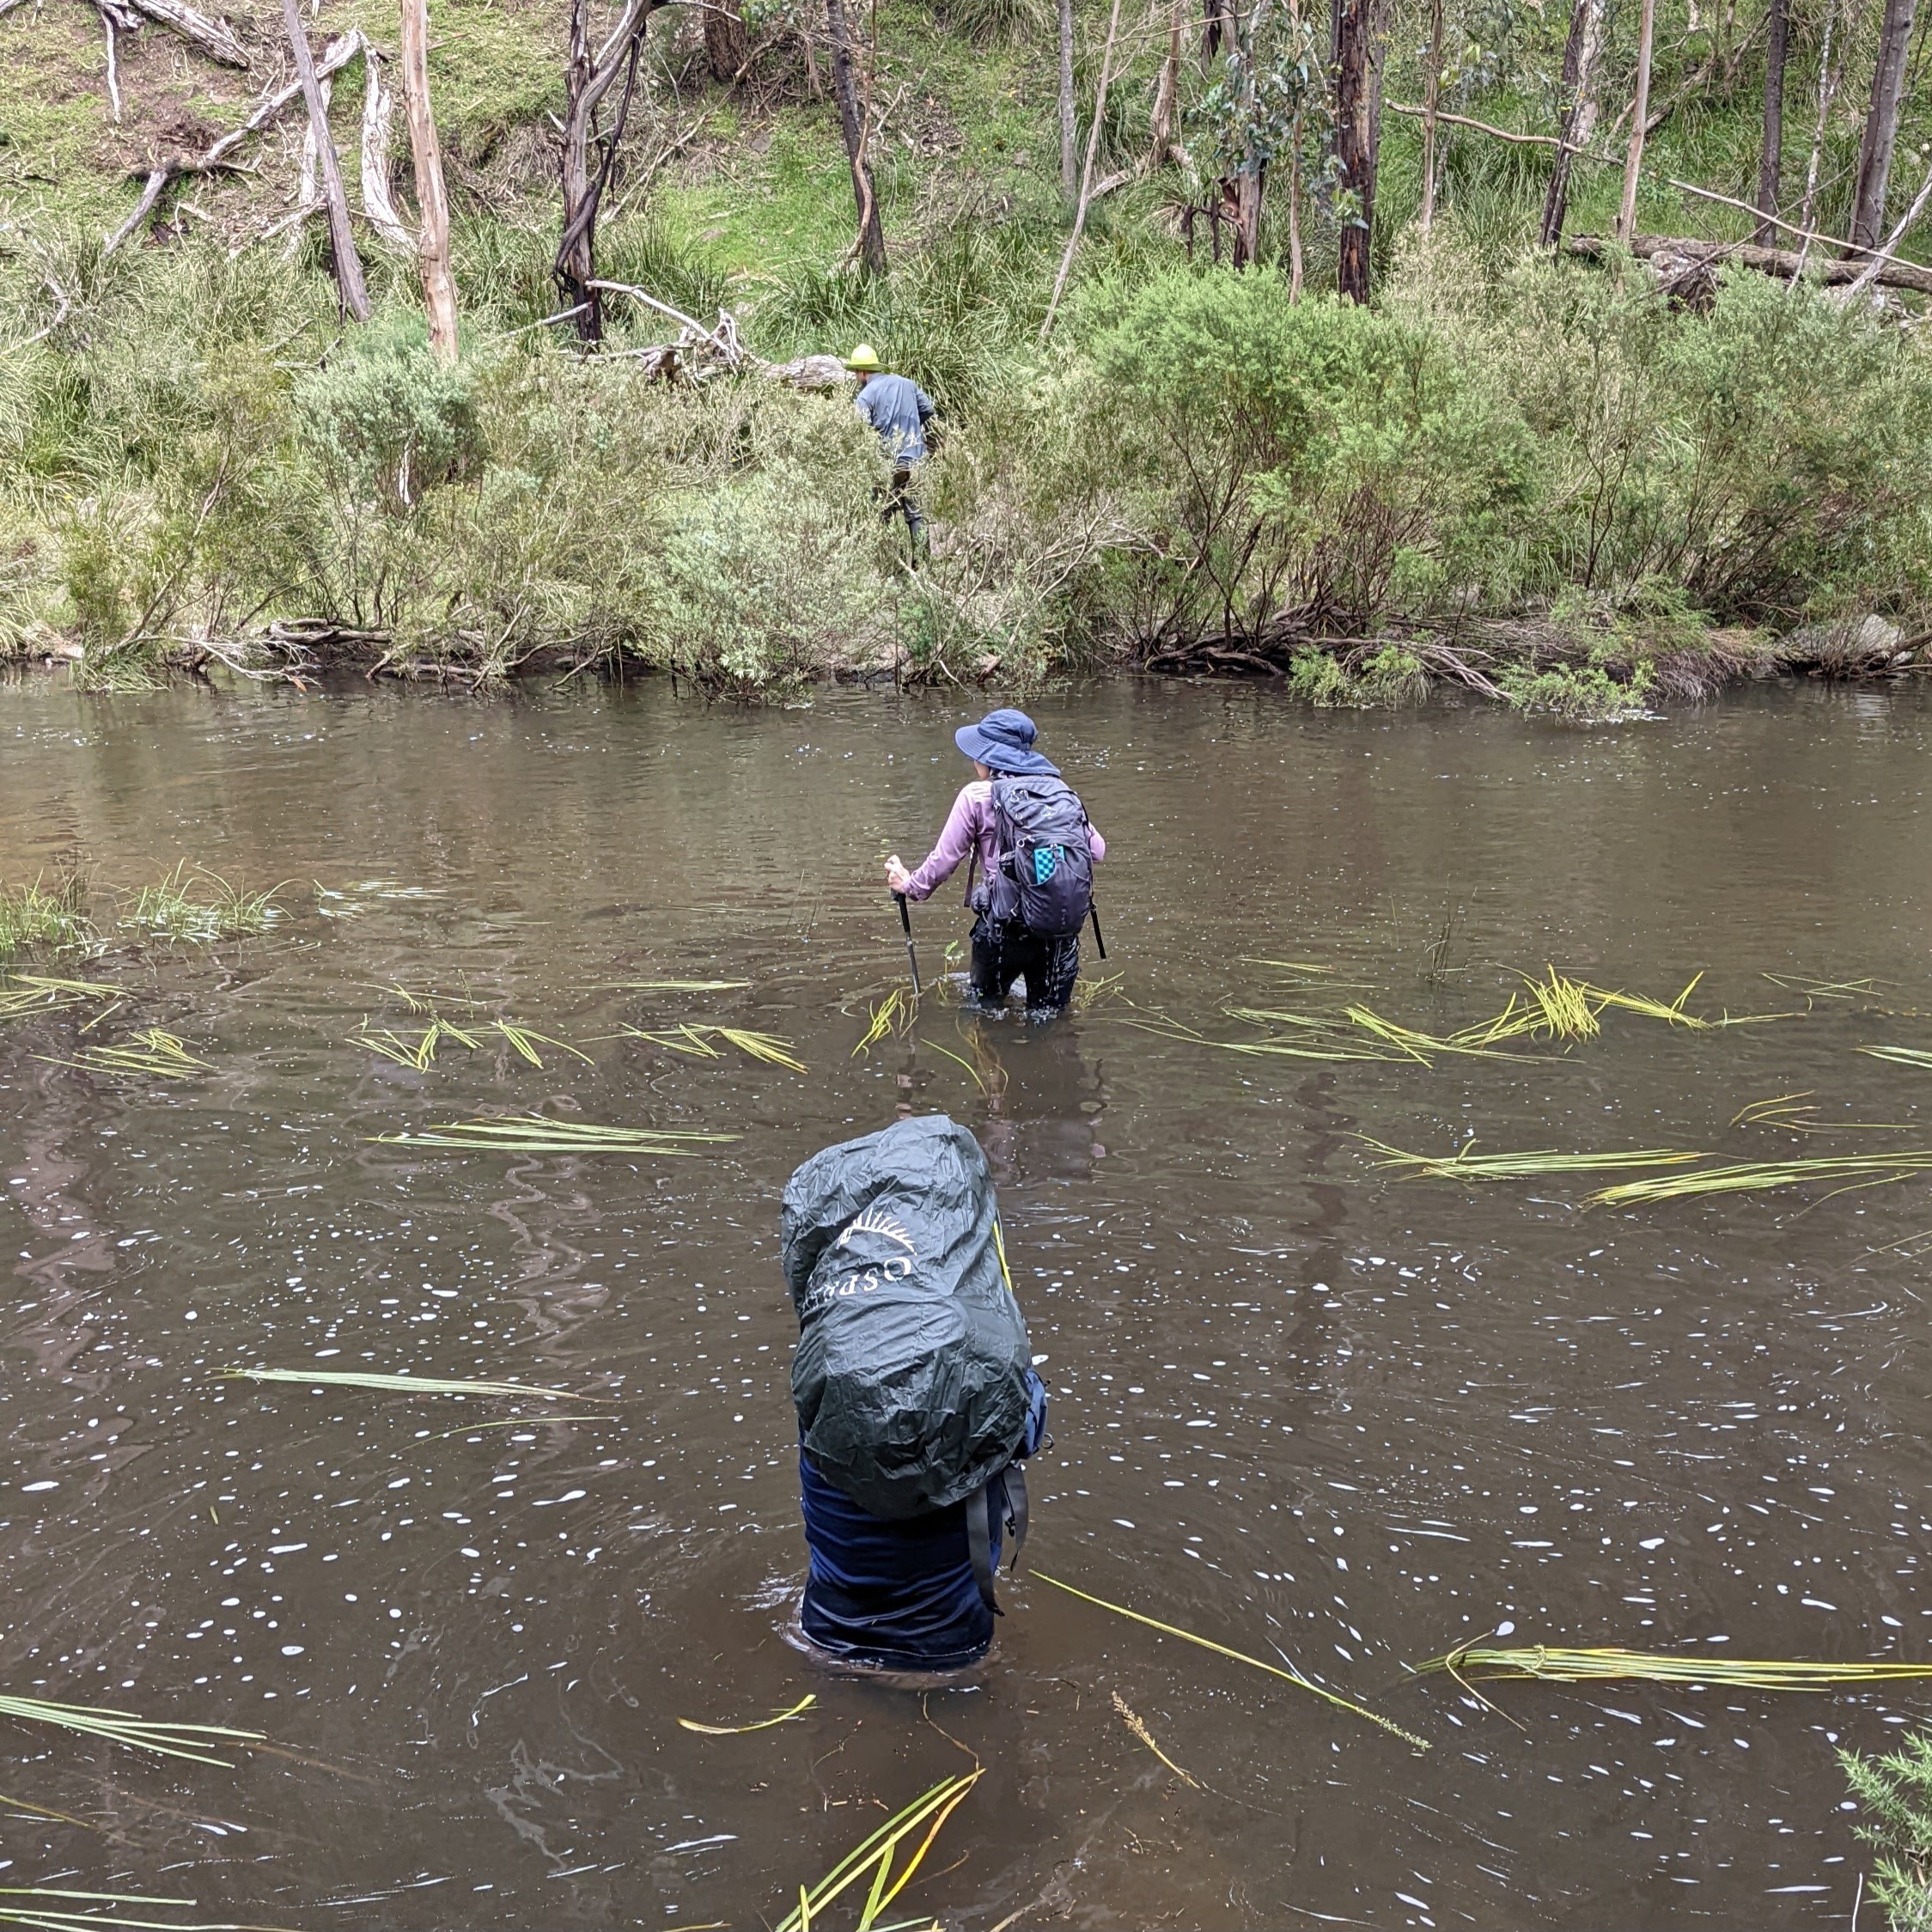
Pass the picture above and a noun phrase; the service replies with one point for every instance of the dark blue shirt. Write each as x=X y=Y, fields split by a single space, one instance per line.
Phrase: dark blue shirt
x=901 y=1595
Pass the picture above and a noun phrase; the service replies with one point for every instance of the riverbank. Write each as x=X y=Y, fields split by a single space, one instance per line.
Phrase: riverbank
x=1542 y=481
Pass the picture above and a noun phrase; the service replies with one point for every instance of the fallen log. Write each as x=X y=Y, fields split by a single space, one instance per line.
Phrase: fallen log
x=1784 y=262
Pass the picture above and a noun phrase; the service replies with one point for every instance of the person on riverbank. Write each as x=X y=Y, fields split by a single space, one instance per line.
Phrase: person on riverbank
x=1026 y=829
x=899 y=410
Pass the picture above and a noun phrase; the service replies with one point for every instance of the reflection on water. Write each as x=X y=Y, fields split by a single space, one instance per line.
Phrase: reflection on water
x=1298 y=1407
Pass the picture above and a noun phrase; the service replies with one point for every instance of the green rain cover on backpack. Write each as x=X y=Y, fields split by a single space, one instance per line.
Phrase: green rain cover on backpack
x=910 y=1375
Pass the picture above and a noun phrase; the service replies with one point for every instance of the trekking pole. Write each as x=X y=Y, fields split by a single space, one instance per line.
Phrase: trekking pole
x=1094 y=913
x=912 y=958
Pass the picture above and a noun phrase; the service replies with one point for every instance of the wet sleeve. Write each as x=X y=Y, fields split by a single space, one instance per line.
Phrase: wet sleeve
x=955 y=841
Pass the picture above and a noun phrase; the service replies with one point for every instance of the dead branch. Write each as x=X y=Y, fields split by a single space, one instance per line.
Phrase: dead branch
x=216 y=39
x=342 y=242
x=62 y=302
x=1807 y=236
x=113 y=65
x=378 y=203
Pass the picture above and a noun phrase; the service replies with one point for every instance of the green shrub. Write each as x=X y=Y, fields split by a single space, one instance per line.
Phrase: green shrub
x=386 y=421
x=1583 y=693
x=1311 y=459
x=1894 y=1793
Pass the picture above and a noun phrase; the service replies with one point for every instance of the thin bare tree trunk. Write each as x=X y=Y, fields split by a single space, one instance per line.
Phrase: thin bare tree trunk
x=1881 y=123
x=1294 y=211
x=728 y=45
x=1069 y=156
x=342 y=245
x=1828 y=78
x=1356 y=23
x=379 y=205
x=1086 y=172
x=1771 y=153
x=1432 y=100
x=1161 y=144
x=852 y=126
x=1578 y=119
x=588 y=79
x=1640 y=120
x=432 y=200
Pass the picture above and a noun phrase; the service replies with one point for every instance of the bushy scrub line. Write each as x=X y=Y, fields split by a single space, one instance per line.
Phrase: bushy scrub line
x=1544 y=482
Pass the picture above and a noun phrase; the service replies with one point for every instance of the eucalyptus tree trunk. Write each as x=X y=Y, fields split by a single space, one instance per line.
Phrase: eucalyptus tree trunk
x=1770 y=154
x=852 y=123
x=1581 y=53
x=1882 y=123
x=1356 y=23
x=1432 y=99
x=727 y=46
x=432 y=201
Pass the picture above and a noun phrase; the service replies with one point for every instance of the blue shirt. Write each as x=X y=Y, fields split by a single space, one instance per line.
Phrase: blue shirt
x=898 y=408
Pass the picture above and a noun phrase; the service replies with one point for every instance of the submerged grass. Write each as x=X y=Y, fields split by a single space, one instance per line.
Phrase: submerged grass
x=1289 y=1675
x=696 y=1041
x=408 y=1385
x=33 y=918
x=164 y=1739
x=536 y=1133
x=1559 y=1666
x=420 y=1051
x=1752 y=1177
x=153 y=1053
x=1462 y=1165
x=893 y=1014
x=27 y=993
x=173 y=910
x=763 y=1724
x=58 y=1918
x=1900 y=1055
x=876 y=1854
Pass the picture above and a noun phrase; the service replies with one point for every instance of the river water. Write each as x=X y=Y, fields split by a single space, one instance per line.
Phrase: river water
x=1300 y=1407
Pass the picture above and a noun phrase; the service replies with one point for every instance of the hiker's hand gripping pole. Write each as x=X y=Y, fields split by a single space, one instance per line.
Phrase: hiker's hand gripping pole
x=911 y=957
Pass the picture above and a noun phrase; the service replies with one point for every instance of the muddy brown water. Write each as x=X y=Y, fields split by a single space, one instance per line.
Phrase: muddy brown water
x=1297 y=1407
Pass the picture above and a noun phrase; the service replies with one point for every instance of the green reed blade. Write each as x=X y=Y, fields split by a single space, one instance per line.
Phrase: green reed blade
x=763 y=1724
x=959 y=1060
x=941 y=1799
x=1902 y=1056
x=163 y=1737
x=681 y=986
x=767 y=1047
x=535 y=1133
x=407 y=1385
x=1560 y=1666
x=1856 y=1170
x=1465 y=1166
x=1288 y=1676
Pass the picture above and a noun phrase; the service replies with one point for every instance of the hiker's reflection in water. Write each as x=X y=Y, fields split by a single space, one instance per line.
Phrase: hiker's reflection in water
x=1038 y=1108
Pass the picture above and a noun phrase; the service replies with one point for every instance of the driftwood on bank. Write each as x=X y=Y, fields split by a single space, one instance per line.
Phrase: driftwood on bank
x=215 y=38
x=344 y=259
x=1680 y=252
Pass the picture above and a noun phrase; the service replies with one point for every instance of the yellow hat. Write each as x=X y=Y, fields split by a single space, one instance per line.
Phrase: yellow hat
x=864 y=358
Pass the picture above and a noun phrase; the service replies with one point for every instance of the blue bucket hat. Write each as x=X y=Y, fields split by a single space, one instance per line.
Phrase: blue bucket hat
x=1004 y=741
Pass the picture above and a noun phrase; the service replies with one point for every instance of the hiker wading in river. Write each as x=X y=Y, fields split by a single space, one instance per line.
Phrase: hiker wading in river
x=899 y=410
x=1027 y=830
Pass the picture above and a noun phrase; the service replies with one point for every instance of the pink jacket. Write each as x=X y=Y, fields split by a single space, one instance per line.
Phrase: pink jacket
x=969 y=828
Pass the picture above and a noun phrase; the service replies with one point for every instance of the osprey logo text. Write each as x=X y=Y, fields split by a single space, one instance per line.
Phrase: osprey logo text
x=870 y=1277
